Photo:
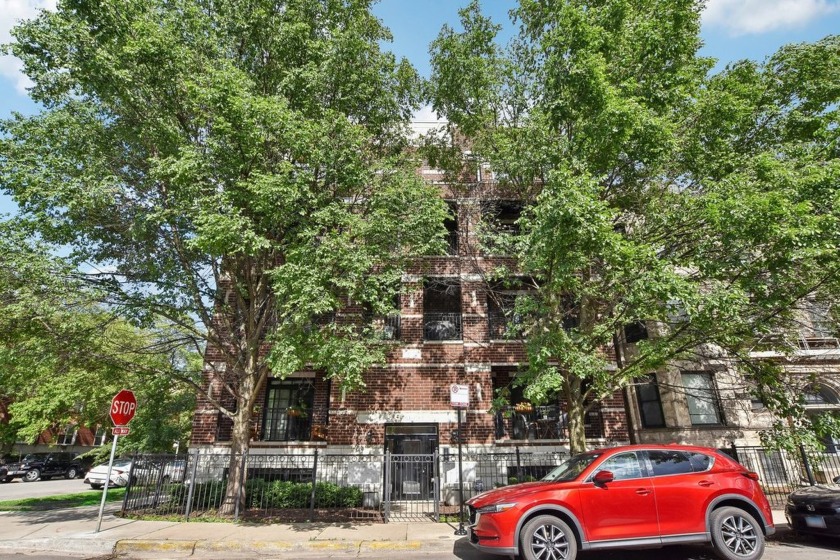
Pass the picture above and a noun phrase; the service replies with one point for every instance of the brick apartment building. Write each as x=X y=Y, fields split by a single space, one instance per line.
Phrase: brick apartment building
x=449 y=331
x=451 y=328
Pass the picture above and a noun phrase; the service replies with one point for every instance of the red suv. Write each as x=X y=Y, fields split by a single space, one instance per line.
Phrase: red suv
x=623 y=497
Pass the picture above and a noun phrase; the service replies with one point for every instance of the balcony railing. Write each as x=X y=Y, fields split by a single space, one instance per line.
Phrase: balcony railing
x=503 y=325
x=805 y=341
x=442 y=326
x=543 y=423
x=295 y=424
x=386 y=327
x=819 y=342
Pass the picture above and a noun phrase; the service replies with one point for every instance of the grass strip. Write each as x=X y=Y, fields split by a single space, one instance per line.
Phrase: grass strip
x=62 y=501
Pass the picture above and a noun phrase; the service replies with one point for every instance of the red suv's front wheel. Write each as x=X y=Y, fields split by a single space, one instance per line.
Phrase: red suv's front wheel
x=546 y=537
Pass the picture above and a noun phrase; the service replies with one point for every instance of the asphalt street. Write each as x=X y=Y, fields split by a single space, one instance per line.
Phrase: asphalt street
x=786 y=547
x=16 y=489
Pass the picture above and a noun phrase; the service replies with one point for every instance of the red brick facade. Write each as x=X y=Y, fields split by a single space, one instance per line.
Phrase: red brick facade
x=414 y=385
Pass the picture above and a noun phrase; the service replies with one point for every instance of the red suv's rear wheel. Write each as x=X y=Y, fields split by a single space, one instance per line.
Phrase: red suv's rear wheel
x=546 y=537
x=736 y=535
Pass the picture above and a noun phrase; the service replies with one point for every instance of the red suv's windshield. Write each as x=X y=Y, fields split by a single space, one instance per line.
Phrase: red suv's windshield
x=571 y=468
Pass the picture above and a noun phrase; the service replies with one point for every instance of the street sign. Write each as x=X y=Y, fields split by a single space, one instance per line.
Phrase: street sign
x=459 y=396
x=123 y=407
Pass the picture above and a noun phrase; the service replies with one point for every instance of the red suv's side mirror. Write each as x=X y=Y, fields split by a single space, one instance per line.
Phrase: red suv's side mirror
x=602 y=477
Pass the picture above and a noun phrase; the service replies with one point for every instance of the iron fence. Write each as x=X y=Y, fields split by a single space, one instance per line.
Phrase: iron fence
x=296 y=487
x=485 y=471
x=312 y=486
x=280 y=486
x=781 y=472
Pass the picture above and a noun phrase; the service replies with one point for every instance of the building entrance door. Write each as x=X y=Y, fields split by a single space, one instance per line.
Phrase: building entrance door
x=411 y=468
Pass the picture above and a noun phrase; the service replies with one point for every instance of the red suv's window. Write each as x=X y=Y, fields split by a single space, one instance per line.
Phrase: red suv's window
x=623 y=466
x=670 y=462
x=571 y=468
x=701 y=462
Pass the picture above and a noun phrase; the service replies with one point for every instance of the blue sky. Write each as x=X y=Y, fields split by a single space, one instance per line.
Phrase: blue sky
x=732 y=30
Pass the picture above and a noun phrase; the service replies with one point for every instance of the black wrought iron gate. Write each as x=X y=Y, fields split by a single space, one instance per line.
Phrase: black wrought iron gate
x=411 y=487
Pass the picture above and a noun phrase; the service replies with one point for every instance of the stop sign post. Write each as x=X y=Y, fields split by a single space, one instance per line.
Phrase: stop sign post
x=123 y=407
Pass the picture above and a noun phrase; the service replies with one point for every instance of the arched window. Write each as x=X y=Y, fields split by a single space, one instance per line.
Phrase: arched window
x=820 y=395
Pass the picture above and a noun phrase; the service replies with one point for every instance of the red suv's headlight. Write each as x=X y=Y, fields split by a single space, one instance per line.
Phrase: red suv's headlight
x=495 y=508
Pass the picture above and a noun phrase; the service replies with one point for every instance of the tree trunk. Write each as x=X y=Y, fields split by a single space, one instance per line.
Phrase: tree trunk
x=574 y=401
x=239 y=445
x=577 y=432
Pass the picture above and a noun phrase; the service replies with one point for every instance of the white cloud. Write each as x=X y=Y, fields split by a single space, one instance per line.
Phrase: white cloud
x=11 y=13
x=747 y=17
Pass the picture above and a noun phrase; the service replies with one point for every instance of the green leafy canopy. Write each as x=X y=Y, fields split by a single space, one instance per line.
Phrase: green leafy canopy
x=656 y=191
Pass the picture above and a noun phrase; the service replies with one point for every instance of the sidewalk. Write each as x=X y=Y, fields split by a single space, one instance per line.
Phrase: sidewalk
x=73 y=531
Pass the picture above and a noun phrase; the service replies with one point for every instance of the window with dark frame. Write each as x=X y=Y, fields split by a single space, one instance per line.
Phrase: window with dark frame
x=635 y=331
x=650 y=403
x=385 y=327
x=451 y=225
x=816 y=395
x=501 y=225
x=288 y=410
x=503 y=317
x=442 y=309
x=666 y=463
x=507 y=216
x=702 y=397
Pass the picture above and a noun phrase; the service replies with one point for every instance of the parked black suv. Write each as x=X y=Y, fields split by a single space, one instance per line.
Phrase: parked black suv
x=43 y=466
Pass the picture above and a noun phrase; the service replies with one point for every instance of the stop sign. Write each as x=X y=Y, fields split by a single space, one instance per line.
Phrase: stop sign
x=123 y=406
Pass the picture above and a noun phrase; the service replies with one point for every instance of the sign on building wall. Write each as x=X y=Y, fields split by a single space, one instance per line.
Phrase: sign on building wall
x=459 y=395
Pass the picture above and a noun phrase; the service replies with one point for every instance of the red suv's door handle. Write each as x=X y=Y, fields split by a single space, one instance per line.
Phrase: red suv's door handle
x=705 y=483
x=642 y=491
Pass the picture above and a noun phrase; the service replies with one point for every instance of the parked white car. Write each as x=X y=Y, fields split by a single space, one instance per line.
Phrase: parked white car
x=175 y=470
x=153 y=471
x=119 y=474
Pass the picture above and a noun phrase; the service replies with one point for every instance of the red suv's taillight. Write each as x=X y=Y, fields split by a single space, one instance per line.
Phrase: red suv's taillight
x=751 y=475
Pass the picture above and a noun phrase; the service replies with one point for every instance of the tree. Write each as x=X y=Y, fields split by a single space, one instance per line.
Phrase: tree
x=63 y=356
x=236 y=169
x=655 y=192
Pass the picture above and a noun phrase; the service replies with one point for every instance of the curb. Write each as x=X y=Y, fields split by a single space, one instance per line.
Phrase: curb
x=188 y=548
x=93 y=546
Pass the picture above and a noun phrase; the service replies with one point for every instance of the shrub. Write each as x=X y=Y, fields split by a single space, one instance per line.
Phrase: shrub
x=328 y=494
x=277 y=494
x=206 y=495
x=281 y=494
